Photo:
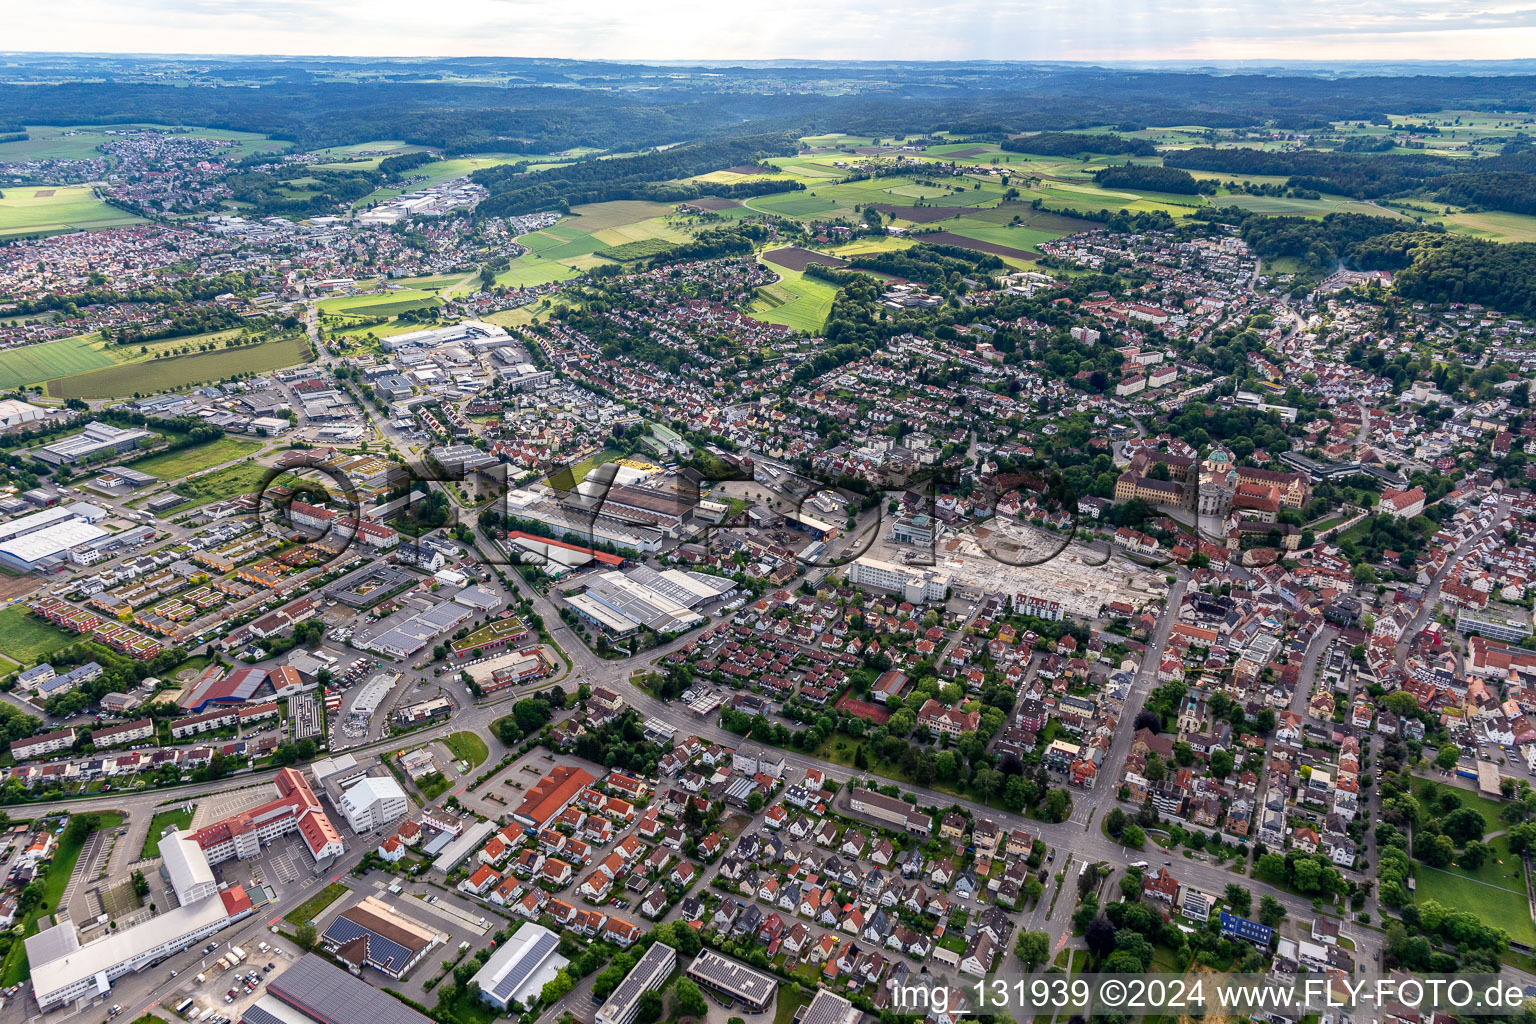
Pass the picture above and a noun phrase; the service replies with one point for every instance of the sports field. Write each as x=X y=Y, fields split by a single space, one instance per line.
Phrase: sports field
x=170 y=465
x=31 y=209
x=1499 y=905
x=150 y=376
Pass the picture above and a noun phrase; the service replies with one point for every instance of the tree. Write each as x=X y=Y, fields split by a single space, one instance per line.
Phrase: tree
x=648 y=1010
x=1100 y=936
x=305 y=935
x=1463 y=825
x=1473 y=856
x=1033 y=948
x=1058 y=803
x=1221 y=763
x=1239 y=899
x=1271 y=910
x=1436 y=851
x=1447 y=756
x=687 y=1000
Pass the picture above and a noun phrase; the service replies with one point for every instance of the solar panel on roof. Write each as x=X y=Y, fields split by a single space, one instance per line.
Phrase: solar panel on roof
x=531 y=960
x=382 y=951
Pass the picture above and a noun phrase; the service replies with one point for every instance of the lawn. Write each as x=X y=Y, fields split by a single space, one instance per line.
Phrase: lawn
x=27 y=639
x=466 y=746
x=50 y=210
x=157 y=826
x=150 y=377
x=316 y=904
x=1494 y=905
x=199 y=457
x=790 y=1000
x=796 y=301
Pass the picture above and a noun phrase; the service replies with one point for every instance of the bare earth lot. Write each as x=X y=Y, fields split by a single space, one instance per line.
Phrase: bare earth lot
x=795 y=258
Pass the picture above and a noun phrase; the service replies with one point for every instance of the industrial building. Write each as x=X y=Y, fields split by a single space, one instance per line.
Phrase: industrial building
x=94 y=440
x=371 y=802
x=62 y=970
x=375 y=934
x=313 y=991
x=619 y=603
x=551 y=795
x=646 y=976
x=520 y=969
x=296 y=808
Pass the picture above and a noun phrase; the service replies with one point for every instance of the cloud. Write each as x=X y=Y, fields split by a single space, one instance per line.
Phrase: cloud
x=1091 y=30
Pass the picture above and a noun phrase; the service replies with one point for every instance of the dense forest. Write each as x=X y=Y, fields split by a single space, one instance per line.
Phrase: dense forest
x=1455 y=268
x=543 y=106
x=1319 y=245
x=1147 y=176
x=1503 y=182
x=1073 y=144
x=649 y=176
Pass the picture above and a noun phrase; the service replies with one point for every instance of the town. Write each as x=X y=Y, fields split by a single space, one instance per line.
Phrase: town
x=757 y=575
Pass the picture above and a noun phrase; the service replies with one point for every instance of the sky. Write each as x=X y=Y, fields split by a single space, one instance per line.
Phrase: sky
x=1079 y=30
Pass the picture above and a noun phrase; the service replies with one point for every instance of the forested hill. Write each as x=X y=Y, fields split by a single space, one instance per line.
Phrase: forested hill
x=541 y=106
x=653 y=176
x=1504 y=182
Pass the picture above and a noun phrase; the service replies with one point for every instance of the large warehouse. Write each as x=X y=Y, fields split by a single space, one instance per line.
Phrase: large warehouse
x=315 y=992
x=619 y=603
x=521 y=968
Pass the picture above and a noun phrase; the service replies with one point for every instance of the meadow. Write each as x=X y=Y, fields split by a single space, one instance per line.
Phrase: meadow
x=796 y=301
x=170 y=465
x=28 y=639
x=34 y=210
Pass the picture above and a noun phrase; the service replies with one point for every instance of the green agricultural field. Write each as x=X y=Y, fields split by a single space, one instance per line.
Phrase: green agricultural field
x=30 y=640
x=191 y=460
x=1493 y=225
x=33 y=364
x=386 y=304
x=593 y=217
x=1002 y=234
x=531 y=269
x=639 y=250
x=35 y=210
x=149 y=376
x=796 y=301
